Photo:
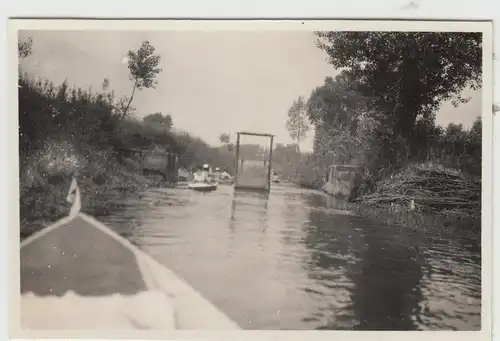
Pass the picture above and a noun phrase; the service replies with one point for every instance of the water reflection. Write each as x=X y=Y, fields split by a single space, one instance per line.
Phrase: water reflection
x=334 y=245
x=296 y=259
x=249 y=207
x=386 y=293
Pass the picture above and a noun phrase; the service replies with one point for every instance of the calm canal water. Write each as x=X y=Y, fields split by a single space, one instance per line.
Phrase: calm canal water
x=291 y=261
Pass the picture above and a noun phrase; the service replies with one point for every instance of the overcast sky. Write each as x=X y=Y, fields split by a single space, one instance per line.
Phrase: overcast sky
x=212 y=82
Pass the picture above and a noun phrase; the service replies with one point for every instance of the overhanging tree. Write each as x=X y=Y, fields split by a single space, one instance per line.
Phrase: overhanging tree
x=407 y=75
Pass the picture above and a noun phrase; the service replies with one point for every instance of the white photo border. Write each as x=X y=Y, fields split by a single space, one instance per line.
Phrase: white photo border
x=258 y=9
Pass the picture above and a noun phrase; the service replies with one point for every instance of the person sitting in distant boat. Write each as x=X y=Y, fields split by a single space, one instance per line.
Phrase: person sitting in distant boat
x=203 y=174
x=209 y=175
x=199 y=175
x=225 y=175
x=216 y=174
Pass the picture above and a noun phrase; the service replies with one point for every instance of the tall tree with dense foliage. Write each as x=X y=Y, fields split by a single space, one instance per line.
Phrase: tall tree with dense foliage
x=337 y=102
x=297 y=123
x=407 y=75
x=143 y=67
x=336 y=109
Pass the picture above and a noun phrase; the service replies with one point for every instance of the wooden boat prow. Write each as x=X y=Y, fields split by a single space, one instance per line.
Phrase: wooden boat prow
x=78 y=266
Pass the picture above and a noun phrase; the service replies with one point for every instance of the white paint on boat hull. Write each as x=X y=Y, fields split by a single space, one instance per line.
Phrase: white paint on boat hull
x=193 y=311
x=168 y=294
x=146 y=310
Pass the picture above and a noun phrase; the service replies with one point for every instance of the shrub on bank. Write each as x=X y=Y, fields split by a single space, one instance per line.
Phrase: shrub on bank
x=62 y=133
x=421 y=196
x=46 y=176
x=428 y=188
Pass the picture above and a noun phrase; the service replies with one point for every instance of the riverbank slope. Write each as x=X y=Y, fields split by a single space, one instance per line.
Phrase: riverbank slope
x=66 y=132
x=45 y=177
x=422 y=195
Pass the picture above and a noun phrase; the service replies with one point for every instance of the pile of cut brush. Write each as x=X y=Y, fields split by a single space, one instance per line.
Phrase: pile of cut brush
x=429 y=189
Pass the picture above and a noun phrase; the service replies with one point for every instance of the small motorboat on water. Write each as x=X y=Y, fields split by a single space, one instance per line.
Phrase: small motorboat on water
x=204 y=180
x=203 y=186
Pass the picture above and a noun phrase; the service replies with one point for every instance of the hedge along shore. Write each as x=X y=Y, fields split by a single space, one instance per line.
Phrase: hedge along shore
x=422 y=196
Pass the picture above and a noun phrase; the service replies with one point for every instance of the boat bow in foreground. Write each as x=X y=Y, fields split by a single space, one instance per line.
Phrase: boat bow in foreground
x=79 y=274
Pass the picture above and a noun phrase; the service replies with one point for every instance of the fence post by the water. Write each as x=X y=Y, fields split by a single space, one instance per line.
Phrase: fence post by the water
x=270 y=163
x=237 y=160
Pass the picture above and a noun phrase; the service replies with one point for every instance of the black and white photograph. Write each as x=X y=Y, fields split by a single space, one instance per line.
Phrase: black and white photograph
x=283 y=176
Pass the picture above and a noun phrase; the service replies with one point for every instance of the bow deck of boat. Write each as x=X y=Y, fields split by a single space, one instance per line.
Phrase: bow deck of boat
x=81 y=259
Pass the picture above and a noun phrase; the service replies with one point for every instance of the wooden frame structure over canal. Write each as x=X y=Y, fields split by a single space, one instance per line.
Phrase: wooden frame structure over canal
x=257 y=177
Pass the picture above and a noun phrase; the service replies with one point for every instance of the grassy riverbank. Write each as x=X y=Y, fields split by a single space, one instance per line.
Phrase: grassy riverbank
x=45 y=177
x=65 y=132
